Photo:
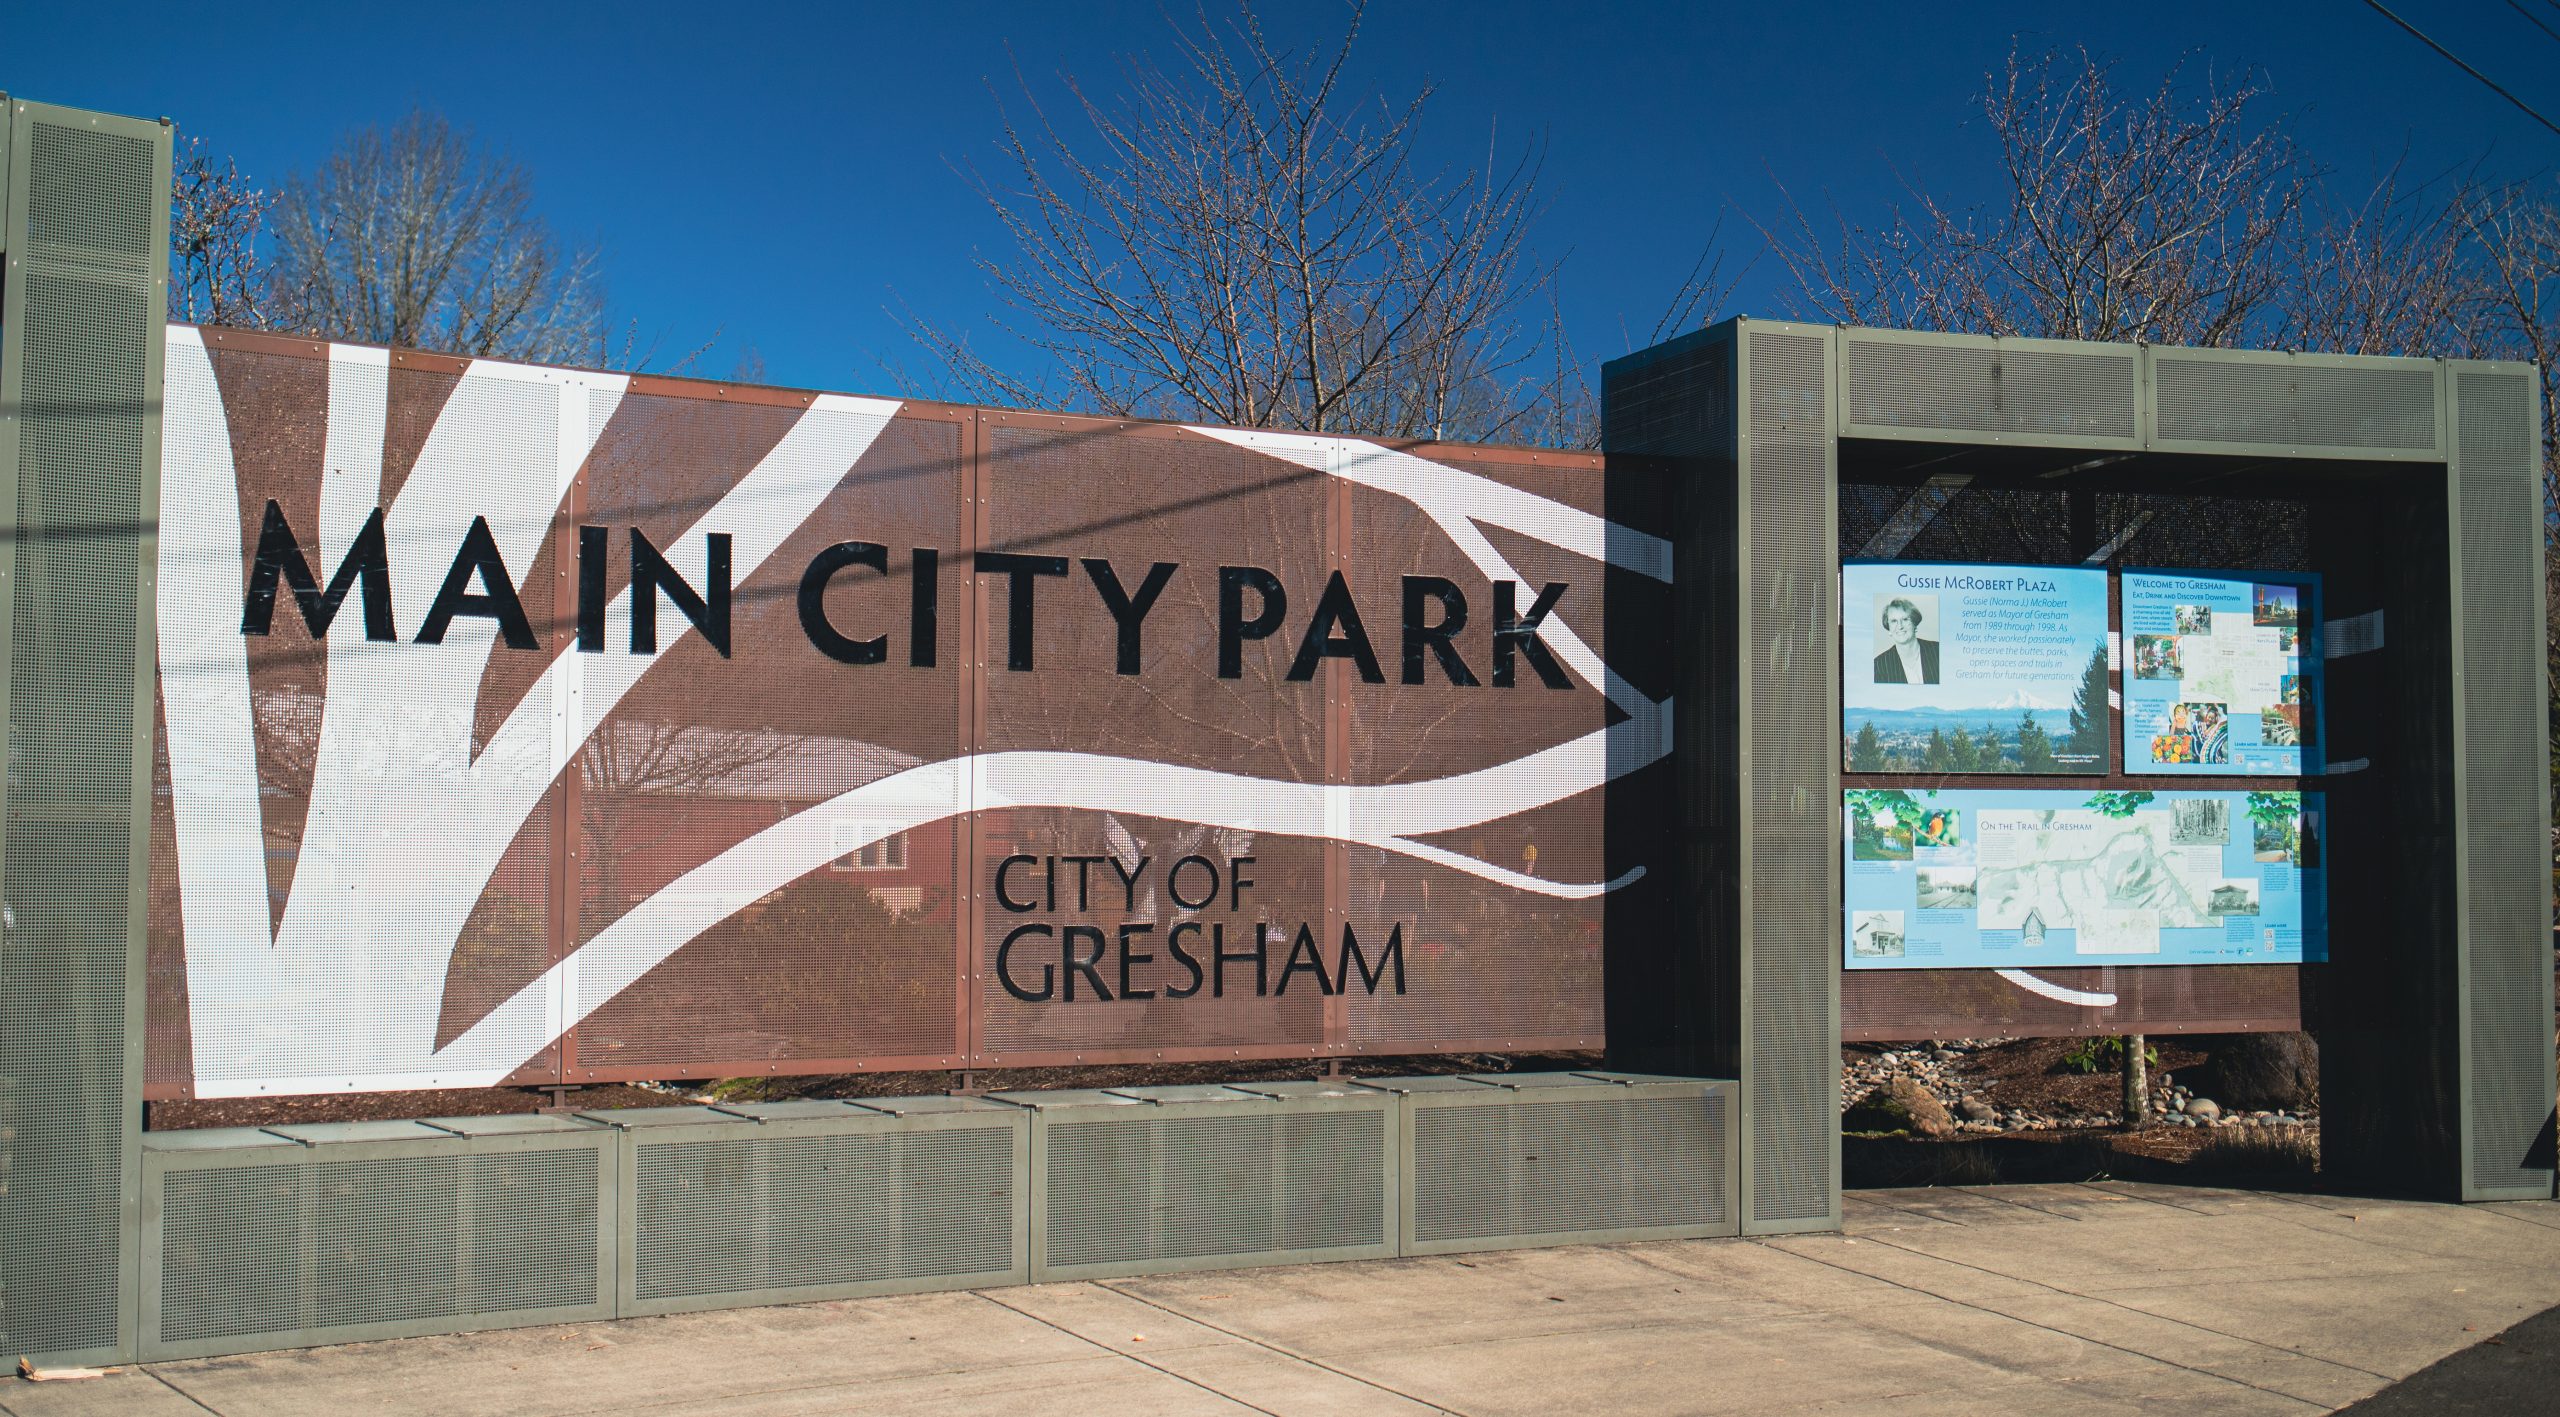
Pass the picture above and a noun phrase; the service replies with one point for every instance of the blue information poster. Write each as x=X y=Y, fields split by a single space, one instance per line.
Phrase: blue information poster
x=2012 y=879
x=1962 y=668
x=2222 y=673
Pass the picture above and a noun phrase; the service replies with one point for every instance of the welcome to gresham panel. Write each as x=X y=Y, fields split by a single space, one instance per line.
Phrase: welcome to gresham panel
x=1968 y=879
x=2222 y=673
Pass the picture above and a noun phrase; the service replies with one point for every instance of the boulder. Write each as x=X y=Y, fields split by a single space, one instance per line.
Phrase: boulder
x=1977 y=1110
x=2253 y=1071
x=1901 y=1105
x=2203 y=1110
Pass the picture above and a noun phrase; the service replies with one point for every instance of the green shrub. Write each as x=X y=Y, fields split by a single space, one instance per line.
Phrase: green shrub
x=2103 y=1055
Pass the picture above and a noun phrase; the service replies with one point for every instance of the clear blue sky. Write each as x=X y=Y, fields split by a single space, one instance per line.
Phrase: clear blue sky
x=785 y=175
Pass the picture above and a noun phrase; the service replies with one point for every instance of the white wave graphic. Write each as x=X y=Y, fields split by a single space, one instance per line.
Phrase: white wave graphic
x=2057 y=992
x=1387 y=817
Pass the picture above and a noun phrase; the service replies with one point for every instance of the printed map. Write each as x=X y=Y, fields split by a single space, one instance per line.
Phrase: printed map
x=2116 y=880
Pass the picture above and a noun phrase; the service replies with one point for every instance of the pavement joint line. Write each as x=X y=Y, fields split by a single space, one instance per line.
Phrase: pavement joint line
x=2145 y=1313
x=2306 y=1203
x=1985 y=1193
x=1132 y=1357
x=2110 y=1187
x=2380 y=1243
x=2078 y=1337
x=2521 y=1220
x=1290 y=1354
x=691 y=1402
x=199 y=1403
x=1914 y=1214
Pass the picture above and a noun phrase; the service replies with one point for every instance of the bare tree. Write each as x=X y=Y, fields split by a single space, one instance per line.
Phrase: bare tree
x=419 y=236
x=2164 y=218
x=2390 y=274
x=1243 y=240
x=214 y=214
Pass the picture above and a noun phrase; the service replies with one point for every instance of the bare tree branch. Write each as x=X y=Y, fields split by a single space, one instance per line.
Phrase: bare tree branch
x=420 y=237
x=2163 y=218
x=214 y=215
x=1238 y=239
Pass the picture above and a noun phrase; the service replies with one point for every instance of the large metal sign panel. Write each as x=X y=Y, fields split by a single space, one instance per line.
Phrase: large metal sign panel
x=533 y=724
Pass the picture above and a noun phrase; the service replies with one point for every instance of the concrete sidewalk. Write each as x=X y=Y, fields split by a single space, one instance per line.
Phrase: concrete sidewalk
x=2087 y=1298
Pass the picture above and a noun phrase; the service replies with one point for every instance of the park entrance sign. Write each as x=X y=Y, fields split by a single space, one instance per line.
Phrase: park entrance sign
x=544 y=725
x=381 y=720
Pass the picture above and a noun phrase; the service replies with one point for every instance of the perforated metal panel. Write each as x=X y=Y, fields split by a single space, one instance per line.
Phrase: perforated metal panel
x=824 y=1201
x=1790 y=778
x=1951 y=388
x=80 y=329
x=2217 y=401
x=1564 y=1159
x=2503 y=805
x=1203 y=1182
x=253 y=1241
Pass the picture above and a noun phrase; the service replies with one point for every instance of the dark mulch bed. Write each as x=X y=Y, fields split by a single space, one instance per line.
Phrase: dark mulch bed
x=2027 y=1074
x=2166 y=1154
x=495 y=1101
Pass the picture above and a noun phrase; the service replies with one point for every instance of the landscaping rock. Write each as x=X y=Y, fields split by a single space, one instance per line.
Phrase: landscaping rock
x=2203 y=1110
x=1900 y=1105
x=2264 y=1070
x=1977 y=1110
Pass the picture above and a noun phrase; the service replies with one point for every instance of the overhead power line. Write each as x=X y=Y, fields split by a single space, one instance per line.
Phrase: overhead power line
x=2456 y=59
x=2535 y=19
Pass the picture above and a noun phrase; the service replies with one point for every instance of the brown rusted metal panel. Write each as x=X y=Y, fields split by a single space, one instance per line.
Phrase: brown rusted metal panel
x=774 y=860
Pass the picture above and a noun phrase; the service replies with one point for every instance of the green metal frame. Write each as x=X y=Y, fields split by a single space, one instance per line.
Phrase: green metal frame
x=1752 y=646
x=2444 y=457
x=16 y=178
x=2473 y=1187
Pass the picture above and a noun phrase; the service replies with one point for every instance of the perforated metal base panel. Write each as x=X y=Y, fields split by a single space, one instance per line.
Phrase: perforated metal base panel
x=820 y=1201
x=1210 y=1178
x=85 y=227
x=255 y=1241
x=1562 y=1159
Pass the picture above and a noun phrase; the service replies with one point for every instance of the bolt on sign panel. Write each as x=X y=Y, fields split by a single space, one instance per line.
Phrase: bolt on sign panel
x=526 y=725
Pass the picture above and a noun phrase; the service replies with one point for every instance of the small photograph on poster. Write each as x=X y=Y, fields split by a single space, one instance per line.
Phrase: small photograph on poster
x=1906 y=645
x=1948 y=888
x=2225 y=673
x=2233 y=897
x=2199 y=821
x=2072 y=876
x=2156 y=657
x=1973 y=669
x=1876 y=934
